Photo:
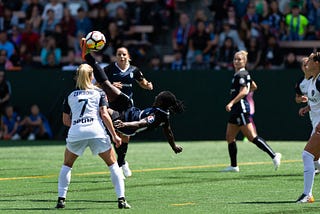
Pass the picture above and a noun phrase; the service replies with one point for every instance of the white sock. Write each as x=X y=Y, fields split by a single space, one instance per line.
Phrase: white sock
x=308 y=172
x=317 y=164
x=117 y=179
x=64 y=181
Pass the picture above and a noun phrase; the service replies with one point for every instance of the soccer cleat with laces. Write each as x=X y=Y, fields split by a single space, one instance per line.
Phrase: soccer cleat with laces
x=61 y=203
x=305 y=199
x=277 y=161
x=231 y=169
x=126 y=170
x=123 y=204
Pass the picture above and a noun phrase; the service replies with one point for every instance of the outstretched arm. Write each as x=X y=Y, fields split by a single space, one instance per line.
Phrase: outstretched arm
x=131 y=125
x=144 y=123
x=169 y=135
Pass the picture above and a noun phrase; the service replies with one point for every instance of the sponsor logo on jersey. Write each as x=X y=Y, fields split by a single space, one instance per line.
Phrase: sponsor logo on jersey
x=241 y=81
x=83 y=120
x=150 y=119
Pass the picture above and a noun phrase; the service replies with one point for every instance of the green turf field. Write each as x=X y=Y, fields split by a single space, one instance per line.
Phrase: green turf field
x=162 y=182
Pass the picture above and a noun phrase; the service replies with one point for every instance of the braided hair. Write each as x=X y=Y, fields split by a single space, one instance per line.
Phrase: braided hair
x=168 y=101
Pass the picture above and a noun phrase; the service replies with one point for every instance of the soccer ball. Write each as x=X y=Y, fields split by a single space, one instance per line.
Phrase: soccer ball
x=95 y=40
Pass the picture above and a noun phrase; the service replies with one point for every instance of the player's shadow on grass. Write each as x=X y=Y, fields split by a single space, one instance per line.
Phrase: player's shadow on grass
x=274 y=175
x=53 y=204
x=39 y=208
x=266 y=202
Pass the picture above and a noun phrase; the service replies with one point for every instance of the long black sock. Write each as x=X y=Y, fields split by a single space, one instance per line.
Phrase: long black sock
x=262 y=144
x=233 y=150
x=112 y=92
x=121 y=152
x=98 y=72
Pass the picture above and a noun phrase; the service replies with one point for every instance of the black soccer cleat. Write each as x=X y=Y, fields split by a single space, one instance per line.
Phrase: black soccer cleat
x=123 y=204
x=61 y=203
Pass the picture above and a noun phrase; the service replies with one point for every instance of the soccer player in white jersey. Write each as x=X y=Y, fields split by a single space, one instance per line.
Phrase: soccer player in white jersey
x=85 y=112
x=311 y=151
x=301 y=94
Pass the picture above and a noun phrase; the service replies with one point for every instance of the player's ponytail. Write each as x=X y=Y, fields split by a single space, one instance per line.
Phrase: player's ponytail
x=177 y=108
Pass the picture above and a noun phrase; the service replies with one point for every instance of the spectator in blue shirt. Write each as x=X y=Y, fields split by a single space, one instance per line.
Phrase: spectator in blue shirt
x=6 y=44
x=36 y=126
x=10 y=122
x=83 y=22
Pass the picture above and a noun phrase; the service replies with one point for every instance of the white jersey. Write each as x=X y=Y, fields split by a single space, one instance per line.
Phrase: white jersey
x=304 y=85
x=314 y=101
x=83 y=106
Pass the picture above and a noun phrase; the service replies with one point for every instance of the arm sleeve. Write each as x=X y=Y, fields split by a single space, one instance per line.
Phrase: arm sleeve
x=137 y=74
x=318 y=83
x=243 y=80
x=103 y=99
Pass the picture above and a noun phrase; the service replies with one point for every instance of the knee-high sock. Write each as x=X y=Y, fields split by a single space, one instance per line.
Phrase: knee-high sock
x=233 y=150
x=64 y=181
x=122 y=152
x=117 y=180
x=101 y=77
x=262 y=144
x=308 y=172
x=98 y=72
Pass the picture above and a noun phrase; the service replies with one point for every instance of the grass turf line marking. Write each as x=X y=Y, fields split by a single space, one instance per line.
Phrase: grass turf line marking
x=147 y=170
x=183 y=204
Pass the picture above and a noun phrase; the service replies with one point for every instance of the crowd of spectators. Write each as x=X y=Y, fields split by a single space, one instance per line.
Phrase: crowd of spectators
x=210 y=37
x=46 y=32
x=12 y=127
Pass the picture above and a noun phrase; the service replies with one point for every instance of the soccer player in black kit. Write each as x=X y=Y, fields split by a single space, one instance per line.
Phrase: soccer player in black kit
x=123 y=75
x=240 y=112
x=129 y=119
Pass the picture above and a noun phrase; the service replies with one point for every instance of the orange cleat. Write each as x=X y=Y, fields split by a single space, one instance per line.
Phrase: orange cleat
x=83 y=47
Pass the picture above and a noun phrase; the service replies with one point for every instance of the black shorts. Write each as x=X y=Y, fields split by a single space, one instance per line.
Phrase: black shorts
x=240 y=119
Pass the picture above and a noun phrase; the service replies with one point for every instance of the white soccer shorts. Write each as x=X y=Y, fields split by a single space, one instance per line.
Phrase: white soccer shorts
x=96 y=145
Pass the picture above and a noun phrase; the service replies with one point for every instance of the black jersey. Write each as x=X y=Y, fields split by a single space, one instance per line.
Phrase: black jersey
x=155 y=117
x=127 y=77
x=240 y=79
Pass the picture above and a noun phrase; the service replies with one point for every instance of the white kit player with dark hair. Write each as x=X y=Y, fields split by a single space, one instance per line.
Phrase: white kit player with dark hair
x=302 y=94
x=85 y=112
x=311 y=151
